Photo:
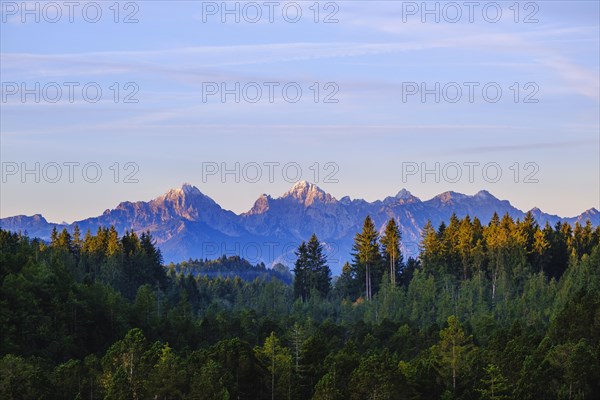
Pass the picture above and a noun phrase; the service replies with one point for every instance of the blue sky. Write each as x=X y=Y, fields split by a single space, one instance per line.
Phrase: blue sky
x=368 y=61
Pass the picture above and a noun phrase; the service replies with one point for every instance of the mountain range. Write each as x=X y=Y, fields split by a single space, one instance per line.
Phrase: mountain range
x=188 y=224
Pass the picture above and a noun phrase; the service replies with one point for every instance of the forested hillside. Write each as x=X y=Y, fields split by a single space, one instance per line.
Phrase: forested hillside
x=232 y=266
x=489 y=310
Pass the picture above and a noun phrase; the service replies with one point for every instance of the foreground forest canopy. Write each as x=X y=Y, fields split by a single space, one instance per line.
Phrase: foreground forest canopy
x=506 y=309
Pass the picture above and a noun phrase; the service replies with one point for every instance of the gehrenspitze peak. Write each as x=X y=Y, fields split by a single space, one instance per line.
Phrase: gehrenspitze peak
x=307 y=193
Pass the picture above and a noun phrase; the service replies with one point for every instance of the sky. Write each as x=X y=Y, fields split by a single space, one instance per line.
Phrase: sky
x=109 y=101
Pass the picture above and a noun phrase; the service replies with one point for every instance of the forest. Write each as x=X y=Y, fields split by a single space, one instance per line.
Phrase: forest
x=505 y=309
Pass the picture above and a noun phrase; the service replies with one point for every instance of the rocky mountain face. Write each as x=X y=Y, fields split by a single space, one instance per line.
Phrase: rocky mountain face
x=188 y=224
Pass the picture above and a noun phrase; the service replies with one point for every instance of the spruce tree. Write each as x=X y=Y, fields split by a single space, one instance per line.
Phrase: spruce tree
x=320 y=274
x=366 y=256
x=311 y=270
x=390 y=246
x=301 y=273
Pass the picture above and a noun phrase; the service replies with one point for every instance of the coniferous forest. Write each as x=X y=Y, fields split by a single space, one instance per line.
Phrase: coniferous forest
x=500 y=309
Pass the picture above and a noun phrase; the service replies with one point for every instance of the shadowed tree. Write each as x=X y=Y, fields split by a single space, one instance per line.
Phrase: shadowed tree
x=452 y=350
x=390 y=246
x=366 y=256
x=311 y=270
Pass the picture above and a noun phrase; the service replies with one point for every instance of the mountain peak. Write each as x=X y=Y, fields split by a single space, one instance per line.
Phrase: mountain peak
x=40 y=218
x=187 y=202
x=404 y=194
x=592 y=214
x=261 y=205
x=449 y=196
x=301 y=189
x=307 y=193
x=183 y=218
x=301 y=185
x=188 y=186
x=187 y=189
x=402 y=197
x=484 y=194
x=407 y=197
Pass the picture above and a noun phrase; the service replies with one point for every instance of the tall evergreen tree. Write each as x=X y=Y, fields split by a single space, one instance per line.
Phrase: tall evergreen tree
x=465 y=244
x=347 y=284
x=317 y=263
x=311 y=270
x=390 y=246
x=526 y=230
x=301 y=273
x=450 y=246
x=431 y=249
x=452 y=350
x=366 y=256
x=494 y=384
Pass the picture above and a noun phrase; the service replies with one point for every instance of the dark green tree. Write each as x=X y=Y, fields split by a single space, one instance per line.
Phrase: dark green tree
x=367 y=258
x=494 y=385
x=311 y=270
x=390 y=246
x=317 y=262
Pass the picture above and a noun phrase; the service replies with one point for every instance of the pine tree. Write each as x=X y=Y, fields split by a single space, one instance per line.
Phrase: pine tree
x=77 y=238
x=301 y=273
x=311 y=270
x=465 y=244
x=431 y=254
x=558 y=252
x=450 y=246
x=76 y=248
x=64 y=241
x=452 y=349
x=540 y=251
x=278 y=362
x=320 y=273
x=495 y=385
x=54 y=237
x=390 y=246
x=346 y=284
x=366 y=255
x=113 y=243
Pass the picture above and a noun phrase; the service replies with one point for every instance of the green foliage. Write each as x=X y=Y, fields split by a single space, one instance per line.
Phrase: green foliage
x=312 y=274
x=452 y=352
x=99 y=317
x=278 y=363
x=209 y=384
x=378 y=377
x=231 y=267
x=390 y=248
x=494 y=384
x=21 y=378
x=368 y=263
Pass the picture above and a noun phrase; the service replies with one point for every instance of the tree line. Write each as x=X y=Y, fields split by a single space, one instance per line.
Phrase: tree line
x=508 y=309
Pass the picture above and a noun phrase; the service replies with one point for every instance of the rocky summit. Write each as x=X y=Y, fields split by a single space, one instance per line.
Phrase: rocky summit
x=188 y=224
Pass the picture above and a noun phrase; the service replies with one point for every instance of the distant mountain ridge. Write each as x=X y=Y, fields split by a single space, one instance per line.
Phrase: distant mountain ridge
x=188 y=224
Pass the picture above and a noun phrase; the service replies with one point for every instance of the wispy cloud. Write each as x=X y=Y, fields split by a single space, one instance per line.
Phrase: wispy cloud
x=500 y=148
